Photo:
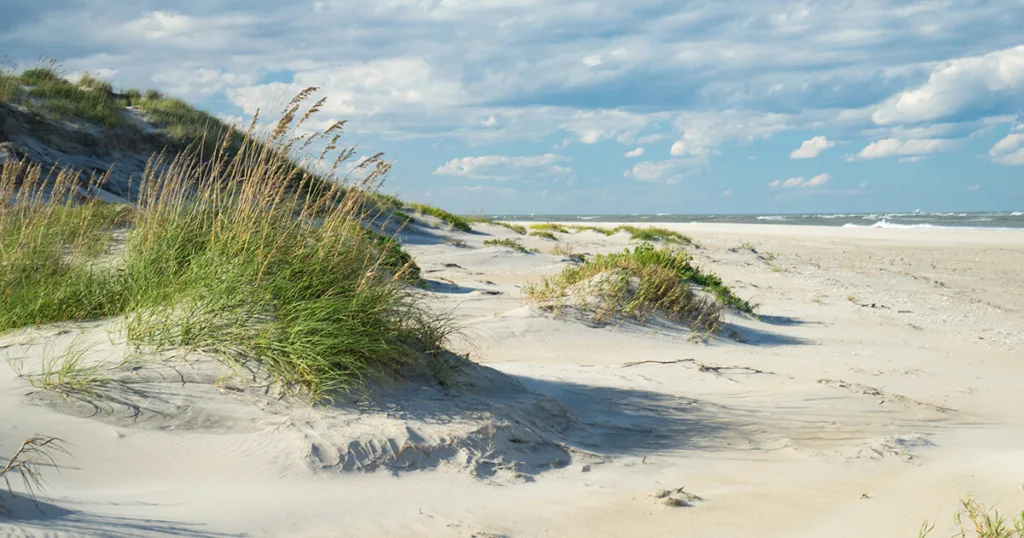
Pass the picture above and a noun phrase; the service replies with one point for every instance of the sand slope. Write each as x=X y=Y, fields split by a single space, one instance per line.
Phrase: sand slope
x=881 y=384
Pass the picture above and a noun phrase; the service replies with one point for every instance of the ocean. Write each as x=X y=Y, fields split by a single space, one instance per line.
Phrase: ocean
x=1002 y=219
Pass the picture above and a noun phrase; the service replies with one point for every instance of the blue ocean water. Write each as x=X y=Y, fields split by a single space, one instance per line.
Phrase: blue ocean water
x=1002 y=219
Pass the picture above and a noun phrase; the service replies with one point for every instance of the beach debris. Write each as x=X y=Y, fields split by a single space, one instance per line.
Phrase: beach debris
x=678 y=497
x=884 y=397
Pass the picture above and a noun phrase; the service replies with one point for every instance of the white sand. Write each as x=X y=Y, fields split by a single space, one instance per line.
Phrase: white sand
x=890 y=387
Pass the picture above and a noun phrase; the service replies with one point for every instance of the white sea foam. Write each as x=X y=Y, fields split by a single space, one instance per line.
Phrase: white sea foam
x=772 y=217
x=1017 y=214
x=886 y=224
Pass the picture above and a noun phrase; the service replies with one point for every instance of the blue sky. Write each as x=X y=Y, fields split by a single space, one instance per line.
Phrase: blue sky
x=601 y=106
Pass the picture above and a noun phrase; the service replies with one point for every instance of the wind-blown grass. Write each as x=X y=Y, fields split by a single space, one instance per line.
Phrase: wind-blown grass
x=974 y=517
x=236 y=256
x=507 y=243
x=636 y=283
x=544 y=235
x=455 y=221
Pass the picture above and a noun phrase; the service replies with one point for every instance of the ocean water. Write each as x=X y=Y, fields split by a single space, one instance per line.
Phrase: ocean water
x=1001 y=219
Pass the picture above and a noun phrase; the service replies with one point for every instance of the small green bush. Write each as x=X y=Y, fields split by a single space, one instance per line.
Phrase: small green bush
x=655 y=234
x=598 y=229
x=544 y=235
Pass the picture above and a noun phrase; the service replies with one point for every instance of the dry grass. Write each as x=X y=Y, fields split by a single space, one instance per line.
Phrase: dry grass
x=245 y=255
x=34 y=453
x=979 y=521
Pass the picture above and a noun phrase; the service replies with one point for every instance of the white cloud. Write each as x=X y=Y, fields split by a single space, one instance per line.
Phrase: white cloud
x=704 y=131
x=669 y=171
x=956 y=85
x=491 y=121
x=493 y=164
x=973 y=187
x=638 y=152
x=727 y=193
x=812 y=148
x=593 y=60
x=894 y=147
x=793 y=182
x=1010 y=150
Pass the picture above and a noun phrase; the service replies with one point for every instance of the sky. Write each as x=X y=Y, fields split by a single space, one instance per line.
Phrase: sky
x=600 y=106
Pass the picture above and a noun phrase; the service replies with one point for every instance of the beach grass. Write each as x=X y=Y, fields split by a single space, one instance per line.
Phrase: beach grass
x=507 y=243
x=977 y=520
x=653 y=233
x=235 y=256
x=633 y=284
x=544 y=235
x=599 y=229
x=455 y=221
x=521 y=230
x=549 y=227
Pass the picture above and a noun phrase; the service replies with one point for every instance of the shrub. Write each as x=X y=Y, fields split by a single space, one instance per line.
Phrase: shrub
x=454 y=221
x=636 y=283
x=507 y=243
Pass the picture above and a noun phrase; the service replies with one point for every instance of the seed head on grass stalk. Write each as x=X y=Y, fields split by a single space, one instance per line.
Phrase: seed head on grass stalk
x=256 y=259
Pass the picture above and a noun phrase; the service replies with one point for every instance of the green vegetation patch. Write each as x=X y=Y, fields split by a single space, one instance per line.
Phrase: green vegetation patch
x=455 y=221
x=235 y=257
x=636 y=283
x=508 y=243
x=663 y=235
x=598 y=229
x=549 y=227
x=544 y=235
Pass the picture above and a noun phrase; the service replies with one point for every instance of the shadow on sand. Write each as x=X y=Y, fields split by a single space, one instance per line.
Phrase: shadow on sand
x=49 y=519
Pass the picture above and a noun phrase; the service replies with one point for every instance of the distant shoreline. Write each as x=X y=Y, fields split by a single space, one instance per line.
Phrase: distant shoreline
x=1013 y=220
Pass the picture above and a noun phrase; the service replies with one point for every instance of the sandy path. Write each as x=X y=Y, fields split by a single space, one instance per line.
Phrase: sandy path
x=882 y=384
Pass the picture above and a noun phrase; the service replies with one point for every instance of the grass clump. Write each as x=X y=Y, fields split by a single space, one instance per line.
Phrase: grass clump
x=521 y=230
x=507 y=243
x=48 y=92
x=598 y=229
x=632 y=284
x=975 y=519
x=235 y=256
x=51 y=249
x=544 y=235
x=549 y=227
x=663 y=235
x=455 y=221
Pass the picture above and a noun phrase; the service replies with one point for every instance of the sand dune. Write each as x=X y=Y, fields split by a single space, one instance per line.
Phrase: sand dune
x=880 y=385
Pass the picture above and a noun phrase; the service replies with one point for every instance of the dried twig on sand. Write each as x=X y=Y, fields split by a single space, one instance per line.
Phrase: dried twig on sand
x=33 y=453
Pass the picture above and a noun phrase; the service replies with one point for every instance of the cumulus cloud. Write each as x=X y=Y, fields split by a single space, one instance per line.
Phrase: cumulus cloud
x=638 y=152
x=668 y=171
x=894 y=147
x=1010 y=150
x=500 y=167
x=958 y=85
x=793 y=182
x=812 y=148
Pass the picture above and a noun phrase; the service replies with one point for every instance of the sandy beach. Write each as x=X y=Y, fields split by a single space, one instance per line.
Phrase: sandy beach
x=880 y=385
